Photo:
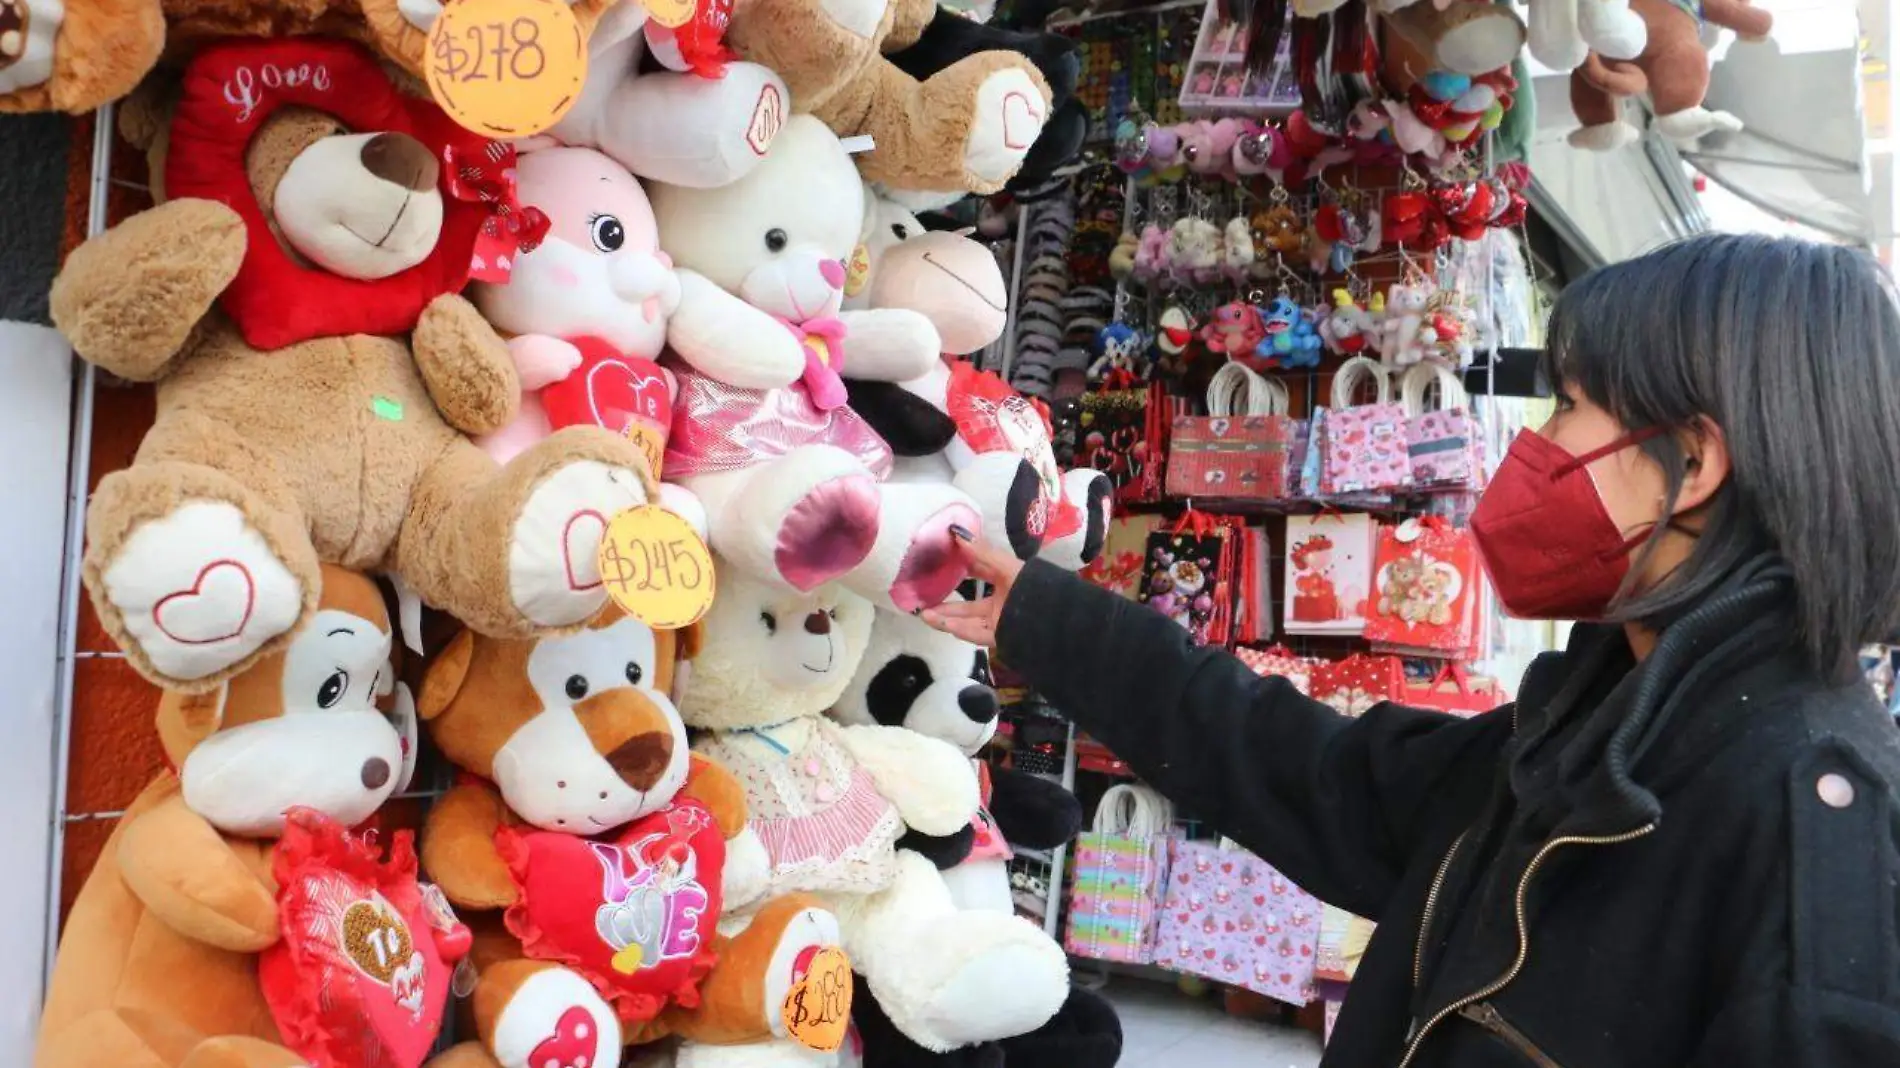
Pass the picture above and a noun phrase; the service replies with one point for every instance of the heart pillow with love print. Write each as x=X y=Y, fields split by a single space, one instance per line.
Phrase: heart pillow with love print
x=362 y=973
x=628 y=395
x=634 y=911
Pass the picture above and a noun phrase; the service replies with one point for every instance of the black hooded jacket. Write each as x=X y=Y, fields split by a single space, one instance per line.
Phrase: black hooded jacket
x=1694 y=861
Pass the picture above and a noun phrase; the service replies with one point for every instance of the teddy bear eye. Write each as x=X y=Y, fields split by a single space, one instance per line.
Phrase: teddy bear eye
x=902 y=231
x=608 y=233
x=635 y=673
x=576 y=687
x=775 y=240
x=333 y=689
x=770 y=621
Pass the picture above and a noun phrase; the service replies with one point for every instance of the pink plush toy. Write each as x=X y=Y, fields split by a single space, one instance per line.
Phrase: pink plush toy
x=1260 y=149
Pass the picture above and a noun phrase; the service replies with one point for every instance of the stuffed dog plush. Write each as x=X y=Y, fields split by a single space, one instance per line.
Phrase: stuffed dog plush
x=598 y=852
x=160 y=964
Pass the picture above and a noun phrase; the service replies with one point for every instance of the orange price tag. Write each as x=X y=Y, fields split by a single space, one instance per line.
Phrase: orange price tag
x=656 y=568
x=651 y=443
x=671 y=14
x=818 y=1010
x=506 y=68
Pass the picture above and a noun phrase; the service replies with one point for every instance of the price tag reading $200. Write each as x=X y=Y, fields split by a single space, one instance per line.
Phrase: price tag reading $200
x=656 y=568
x=506 y=68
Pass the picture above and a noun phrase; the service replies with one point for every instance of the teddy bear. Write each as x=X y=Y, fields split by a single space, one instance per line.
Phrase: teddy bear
x=600 y=859
x=794 y=483
x=314 y=387
x=966 y=127
x=918 y=678
x=234 y=890
x=1402 y=330
x=1464 y=36
x=831 y=802
x=1397 y=586
x=954 y=424
x=1673 y=67
x=1562 y=33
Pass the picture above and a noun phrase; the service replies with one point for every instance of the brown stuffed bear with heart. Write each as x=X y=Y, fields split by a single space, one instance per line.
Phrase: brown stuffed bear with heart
x=295 y=297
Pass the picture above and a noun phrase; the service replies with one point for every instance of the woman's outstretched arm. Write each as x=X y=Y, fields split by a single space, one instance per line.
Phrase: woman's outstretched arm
x=1332 y=802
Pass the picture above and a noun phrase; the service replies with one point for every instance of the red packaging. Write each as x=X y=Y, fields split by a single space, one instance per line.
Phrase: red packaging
x=1358 y=682
x=1424 y=588
x=1453 y=691
x=362 y=973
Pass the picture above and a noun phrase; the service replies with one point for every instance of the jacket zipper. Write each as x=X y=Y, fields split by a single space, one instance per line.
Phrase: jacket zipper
x=1487 y=1016
x=1431 y=903
x=1523 y=932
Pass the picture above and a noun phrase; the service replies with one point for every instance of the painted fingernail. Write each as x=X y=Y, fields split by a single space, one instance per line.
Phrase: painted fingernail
x=961 y=534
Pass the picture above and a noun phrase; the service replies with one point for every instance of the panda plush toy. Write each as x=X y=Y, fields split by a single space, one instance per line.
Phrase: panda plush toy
x=927 y=681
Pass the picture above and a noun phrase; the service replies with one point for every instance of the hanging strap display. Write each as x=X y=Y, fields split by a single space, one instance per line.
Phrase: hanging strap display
x=1346 y=381
x=1237 y=390
x=1133 y=811
x=1415 y=387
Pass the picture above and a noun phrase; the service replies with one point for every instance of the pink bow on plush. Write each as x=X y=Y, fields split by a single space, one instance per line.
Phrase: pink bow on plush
x=512 y=228
x=823 y=339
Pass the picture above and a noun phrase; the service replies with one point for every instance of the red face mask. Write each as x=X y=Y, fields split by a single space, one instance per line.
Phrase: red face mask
x=1548 y=542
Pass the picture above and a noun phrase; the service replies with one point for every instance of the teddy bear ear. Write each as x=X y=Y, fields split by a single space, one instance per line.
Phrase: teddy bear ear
x=446 y=674
x=689 y=640
x=145 y=115
x=186 y=719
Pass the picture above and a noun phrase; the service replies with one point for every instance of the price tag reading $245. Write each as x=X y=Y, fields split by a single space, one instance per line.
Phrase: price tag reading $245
x=656 y=568
x=506 y=68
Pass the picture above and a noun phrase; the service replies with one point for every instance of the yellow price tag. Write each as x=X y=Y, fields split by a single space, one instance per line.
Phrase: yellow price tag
x=818 y=1009
x=857 y=272
x=651 y=443
x=671 y=14
x=656 y=568
x=506 y=68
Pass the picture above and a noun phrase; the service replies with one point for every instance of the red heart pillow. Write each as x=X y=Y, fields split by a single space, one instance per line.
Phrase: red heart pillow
x=362 y=972
x=635 y=912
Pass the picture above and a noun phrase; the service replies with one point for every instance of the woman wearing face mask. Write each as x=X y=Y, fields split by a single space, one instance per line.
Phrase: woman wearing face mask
x=1681 y=846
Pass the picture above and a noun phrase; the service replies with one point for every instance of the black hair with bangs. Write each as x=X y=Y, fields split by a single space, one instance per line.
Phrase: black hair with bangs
x=1793 y=349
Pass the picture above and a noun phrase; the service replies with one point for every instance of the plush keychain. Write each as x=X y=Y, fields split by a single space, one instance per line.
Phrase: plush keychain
x=1153 y=254
x=1278 y=230
x=1194 y=249
x=1261 y=149
x=1234 y=330
x=1121 y=260
x=1348 y=329
x=1120 y=347
x=1238 y=255
x=1291 y=338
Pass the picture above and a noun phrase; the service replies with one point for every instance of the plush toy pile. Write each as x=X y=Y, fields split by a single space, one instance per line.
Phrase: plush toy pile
x=409 y=383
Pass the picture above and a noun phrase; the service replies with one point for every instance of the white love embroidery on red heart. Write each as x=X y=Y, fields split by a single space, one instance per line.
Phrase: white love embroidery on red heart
x=1022 y=122
x=615 y=389
x=580 y=549
x=215 y=608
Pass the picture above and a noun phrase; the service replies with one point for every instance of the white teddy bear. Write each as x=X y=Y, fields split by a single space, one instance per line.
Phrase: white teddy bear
x=830 y=802
x=793 y=481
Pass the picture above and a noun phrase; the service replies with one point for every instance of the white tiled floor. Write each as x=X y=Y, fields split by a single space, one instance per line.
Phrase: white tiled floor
x=1162 y=1028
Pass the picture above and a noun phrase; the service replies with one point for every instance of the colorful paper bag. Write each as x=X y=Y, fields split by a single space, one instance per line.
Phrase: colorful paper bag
x=1425 y=588
x=1443 y=440
x=1120 y=868
x=1366 y=447
x=1230 y=917
x=1190 y=575
x=1328 y=573
x=1125 y=436
x=1239 y=449
x=1124 y=551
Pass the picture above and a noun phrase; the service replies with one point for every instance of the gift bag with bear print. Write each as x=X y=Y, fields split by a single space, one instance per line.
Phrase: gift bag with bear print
x=1366 y=445
x=1425 y=586
x=1230 y=917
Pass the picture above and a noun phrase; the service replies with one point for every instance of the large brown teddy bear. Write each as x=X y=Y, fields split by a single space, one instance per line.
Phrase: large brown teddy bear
x=1673 y=69
x=965 y=128
x=74 y=55
x=593 y=852
x=300 y=421
x=160 y=963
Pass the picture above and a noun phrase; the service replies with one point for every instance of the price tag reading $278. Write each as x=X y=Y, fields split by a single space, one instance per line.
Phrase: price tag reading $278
x=656 y=568
x=506 y=68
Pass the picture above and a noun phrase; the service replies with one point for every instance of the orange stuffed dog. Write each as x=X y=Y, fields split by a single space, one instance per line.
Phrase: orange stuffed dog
x=603 y=852
x=167 y=959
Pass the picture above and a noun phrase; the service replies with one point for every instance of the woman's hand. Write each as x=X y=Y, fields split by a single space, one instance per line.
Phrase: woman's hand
x=976 y=621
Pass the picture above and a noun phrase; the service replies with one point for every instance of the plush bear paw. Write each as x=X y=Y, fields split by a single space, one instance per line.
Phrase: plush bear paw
x=1690 y=125
x=552 y=1017
x=828 y=531
x=974 y=977
x=553 y=561
x=804 y=934
x=932 y=567
x=196 y=590
x=1010 y=113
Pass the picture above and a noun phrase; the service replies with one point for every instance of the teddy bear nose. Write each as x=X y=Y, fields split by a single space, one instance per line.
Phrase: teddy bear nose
x=401 y=160
x=833 y=272
x=818 y=623
x=375 y=773
x=978 y=703
x=642 y=759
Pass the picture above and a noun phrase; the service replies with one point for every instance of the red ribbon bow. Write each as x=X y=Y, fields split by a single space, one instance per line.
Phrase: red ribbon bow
x=487 y=176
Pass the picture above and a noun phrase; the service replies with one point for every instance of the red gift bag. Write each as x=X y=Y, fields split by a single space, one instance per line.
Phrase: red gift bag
x=1124 y=427
x=1453 y=691
x=1282 y=662
x=1358 y=682
x=1238 y=450
x=1425 y=585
